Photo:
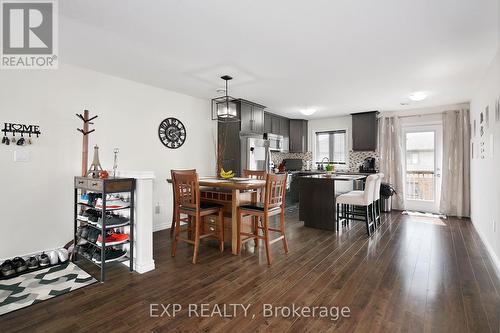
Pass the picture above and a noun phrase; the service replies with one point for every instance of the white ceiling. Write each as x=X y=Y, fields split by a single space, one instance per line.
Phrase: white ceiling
x=337 y=56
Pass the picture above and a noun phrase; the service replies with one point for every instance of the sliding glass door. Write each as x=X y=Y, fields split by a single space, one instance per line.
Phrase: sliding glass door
x=423 y=158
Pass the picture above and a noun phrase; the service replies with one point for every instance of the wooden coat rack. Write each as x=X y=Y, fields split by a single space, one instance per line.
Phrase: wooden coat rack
x=85 y=144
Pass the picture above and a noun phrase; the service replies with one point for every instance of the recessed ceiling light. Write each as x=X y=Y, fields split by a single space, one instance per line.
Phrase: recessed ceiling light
x=307 y=112
x=418 y=96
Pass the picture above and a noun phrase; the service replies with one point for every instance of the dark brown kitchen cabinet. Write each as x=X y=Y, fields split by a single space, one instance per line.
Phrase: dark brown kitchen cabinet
x=284 y=127
x=268 y=119
x=275 y=125
x=252 y=117
x=298 y=135
x=364 y=131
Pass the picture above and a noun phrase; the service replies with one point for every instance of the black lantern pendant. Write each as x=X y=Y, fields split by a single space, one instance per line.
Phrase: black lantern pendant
x=224 y=108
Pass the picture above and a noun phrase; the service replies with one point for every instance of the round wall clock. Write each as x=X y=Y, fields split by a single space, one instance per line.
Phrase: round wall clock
x=172 y=133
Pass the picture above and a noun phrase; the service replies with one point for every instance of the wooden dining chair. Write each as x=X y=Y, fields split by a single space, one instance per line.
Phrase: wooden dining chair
x=187 y=199
x=255 y=174
x=274 y=204
x=174 y=205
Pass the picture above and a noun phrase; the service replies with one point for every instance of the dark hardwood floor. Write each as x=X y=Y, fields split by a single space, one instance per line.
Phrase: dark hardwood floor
x=415 y=274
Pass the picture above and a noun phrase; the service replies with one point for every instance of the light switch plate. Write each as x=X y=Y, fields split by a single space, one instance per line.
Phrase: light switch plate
x=21 y=156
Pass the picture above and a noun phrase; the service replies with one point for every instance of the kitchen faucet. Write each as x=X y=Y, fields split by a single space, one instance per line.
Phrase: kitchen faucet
x=323 y=161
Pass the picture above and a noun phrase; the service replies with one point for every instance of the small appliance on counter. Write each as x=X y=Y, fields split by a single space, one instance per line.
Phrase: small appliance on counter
x=368 y=166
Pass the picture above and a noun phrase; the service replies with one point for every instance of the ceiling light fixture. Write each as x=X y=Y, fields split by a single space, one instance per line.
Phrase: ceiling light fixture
x=224 y=108
x=417 y=96
x=308 y=112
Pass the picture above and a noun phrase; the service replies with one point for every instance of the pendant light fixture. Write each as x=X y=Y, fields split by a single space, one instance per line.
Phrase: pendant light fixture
x=224 y=108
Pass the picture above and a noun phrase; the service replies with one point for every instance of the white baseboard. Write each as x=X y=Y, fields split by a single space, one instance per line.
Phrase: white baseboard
x=161 y=226
x=493 y=255
x=142 y=267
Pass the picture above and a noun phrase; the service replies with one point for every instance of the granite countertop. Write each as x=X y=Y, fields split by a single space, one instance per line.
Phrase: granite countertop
x=336 y=176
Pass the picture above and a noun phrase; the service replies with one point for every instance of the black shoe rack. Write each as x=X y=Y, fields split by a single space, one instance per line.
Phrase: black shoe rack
x=103 y=187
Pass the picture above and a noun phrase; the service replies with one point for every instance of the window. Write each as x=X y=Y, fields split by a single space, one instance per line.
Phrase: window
x=331 y=144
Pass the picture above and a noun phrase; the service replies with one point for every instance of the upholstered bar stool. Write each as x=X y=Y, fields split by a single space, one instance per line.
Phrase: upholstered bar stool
x=376 y=206
x=358 y=199
x=376 y=199
x=274 y=204
x=187 y=199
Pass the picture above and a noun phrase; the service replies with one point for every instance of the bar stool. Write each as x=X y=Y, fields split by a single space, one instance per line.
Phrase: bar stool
x=358 y=199
x=174 y=214
x=274 y=204
x=187 y=200
x=377 y=204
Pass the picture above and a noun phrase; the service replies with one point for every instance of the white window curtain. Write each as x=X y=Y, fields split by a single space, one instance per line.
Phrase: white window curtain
x=455 y=188
x=391 y=157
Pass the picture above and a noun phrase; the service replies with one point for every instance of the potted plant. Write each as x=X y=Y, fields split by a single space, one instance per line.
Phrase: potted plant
x=329 y=168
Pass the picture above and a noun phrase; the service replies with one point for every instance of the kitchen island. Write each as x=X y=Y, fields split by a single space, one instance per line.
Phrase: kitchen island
x=317 y=197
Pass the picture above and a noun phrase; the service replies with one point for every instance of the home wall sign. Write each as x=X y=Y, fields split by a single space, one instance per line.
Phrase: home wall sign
x=22 y=130
x=172 y=133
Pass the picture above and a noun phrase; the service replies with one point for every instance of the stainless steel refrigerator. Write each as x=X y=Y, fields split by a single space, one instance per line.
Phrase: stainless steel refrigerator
x=255 y=153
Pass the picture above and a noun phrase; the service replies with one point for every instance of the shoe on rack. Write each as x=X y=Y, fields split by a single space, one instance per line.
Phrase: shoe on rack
x=84 y=199
x=8 y=268
x=113 y=238
x=89 y=215
x=53 y=257
x=44 y=259
x=112 y=203
x=110 y=254
x=82 y=232
x=33 y=263
x=114 y=220
x=93 y=235
x=62 y=254
x=19 y=264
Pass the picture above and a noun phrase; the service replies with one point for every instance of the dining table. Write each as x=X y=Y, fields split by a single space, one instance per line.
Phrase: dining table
x=235 y=186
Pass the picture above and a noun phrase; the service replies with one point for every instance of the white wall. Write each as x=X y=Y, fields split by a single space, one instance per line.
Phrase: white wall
x=36 y=197
x=485 y=179
x=330 y=124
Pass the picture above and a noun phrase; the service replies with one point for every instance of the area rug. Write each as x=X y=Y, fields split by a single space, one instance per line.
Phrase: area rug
x=36 y=287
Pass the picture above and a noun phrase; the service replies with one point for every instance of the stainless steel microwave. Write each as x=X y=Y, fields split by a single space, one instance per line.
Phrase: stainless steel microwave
x=276 y=142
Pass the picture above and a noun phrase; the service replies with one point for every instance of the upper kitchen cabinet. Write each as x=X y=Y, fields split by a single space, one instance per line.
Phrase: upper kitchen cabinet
x=252 y=116
x=298 y=136
x=364 y=131
x=268 y=120
x=276 y=124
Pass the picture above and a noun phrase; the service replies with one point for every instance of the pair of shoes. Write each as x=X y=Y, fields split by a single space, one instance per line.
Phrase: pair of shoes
x=112 y=202
x=83 y=232
x=19 y=264
x=112 y=238
x=85 y=250
x=57 y=256
x=90 y=215
x=8 y=268
x=44 y=259
x=110 y=254
x=11 y=267
x=114 y=220
x=33 y=262
x=93 y=234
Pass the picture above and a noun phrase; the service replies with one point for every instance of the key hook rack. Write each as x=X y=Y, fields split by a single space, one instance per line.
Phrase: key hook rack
x=21 y=129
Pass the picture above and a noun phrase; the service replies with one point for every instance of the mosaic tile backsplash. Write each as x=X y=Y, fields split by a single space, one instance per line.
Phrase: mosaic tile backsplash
x=278 y=157
x=356 y=158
